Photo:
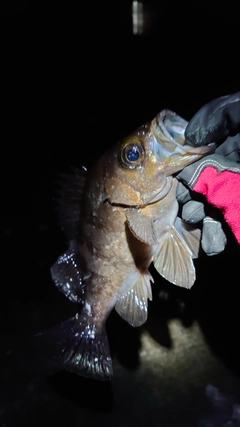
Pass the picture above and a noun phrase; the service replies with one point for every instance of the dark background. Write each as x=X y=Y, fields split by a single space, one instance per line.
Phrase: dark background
x=74 y=79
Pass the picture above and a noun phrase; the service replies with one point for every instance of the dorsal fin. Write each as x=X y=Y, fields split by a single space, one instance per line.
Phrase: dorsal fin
x=68 y=199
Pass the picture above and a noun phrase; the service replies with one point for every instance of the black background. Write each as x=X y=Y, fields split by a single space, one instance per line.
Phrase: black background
x=74 y=80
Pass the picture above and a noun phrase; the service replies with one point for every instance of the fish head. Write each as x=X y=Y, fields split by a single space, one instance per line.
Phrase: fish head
x=139 y=168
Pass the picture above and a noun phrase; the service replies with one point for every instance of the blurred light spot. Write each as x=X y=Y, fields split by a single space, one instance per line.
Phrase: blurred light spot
x=142 y=17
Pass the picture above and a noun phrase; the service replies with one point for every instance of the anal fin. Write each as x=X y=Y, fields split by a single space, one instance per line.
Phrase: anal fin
x=133 y=305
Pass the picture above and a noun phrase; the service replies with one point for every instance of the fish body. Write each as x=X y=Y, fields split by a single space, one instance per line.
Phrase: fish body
x=119 y=217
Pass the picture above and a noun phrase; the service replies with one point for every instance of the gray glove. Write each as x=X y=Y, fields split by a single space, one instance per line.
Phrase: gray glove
x=209 y=189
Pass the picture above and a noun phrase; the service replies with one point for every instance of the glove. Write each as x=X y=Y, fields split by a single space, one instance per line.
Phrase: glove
x=217 y=176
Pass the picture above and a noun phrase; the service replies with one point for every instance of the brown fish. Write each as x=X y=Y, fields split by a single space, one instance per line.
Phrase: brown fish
x=119 y=217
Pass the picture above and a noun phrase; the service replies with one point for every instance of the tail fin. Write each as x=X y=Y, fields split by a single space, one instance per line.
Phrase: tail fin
x=79 y=347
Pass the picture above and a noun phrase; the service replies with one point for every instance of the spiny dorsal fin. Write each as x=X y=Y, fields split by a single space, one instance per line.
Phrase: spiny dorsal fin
x=68 y=200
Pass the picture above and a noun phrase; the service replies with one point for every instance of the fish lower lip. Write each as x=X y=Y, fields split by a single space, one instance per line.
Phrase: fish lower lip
x=185 y=148
x=202 y=149
x=199 y=145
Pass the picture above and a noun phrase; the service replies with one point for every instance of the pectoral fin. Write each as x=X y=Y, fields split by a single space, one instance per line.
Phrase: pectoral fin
x=173 y=260
x=133 y=305
x=141 y=226
x=67 y=276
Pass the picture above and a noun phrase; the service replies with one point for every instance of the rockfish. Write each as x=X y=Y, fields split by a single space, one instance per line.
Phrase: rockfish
x=119 y=217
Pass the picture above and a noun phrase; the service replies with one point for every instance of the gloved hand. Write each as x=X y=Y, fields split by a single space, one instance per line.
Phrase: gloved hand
x=217 y=176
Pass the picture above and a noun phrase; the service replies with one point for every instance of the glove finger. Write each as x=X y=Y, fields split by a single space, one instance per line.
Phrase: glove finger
x=193 y=212
x=215 y=121
x=183 y=193
x=213 y=237
x=230 y=148
x=189 y=174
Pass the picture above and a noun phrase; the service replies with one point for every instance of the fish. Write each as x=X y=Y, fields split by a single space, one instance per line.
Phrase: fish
x=119 y=217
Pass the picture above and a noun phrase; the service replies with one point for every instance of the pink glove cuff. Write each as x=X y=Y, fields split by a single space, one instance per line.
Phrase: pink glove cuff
x=222 y=189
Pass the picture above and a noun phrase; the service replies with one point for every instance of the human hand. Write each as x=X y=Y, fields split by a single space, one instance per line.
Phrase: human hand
x=217 y=176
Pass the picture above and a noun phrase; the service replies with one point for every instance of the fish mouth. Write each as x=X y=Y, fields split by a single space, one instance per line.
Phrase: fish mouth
x=171 y=146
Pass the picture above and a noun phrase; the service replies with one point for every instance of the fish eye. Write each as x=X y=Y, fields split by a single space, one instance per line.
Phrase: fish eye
x=131 y=153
